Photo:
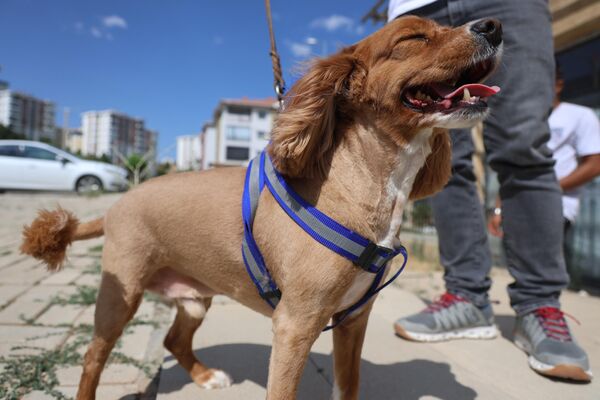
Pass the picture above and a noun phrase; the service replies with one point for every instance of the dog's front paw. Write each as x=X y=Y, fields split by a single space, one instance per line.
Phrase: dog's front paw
x=213 y=379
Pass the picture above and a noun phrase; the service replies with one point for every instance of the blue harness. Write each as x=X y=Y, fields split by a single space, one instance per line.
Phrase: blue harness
x=361 y=251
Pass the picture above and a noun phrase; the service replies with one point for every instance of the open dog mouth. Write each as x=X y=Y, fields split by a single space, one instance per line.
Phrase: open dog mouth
x=466 y=91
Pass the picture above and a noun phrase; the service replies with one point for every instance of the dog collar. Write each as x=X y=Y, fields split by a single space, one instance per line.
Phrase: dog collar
x=331 y=234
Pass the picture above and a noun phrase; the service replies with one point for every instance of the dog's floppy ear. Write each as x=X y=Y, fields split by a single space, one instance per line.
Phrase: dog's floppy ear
x=434 y=175
x=303 y=135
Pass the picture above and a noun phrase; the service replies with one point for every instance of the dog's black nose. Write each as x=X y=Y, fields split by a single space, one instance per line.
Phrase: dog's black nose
x=490 y=29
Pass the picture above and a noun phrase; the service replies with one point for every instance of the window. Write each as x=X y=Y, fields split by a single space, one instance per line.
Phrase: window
x=262 y=114
x=40 y=154
x=11 y=151
x=241 y=133
x=239 y=110
x=262 y=135
x=237 y=153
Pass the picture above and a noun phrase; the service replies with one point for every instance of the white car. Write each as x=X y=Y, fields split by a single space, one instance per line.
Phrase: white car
x=32 y=165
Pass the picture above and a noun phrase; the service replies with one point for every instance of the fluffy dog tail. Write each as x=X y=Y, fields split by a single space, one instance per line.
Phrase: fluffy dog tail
x=49 y=235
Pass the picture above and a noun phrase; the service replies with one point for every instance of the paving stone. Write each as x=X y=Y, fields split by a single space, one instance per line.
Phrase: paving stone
x=60 y=314
x=9 y=292
x=134 y=342
x=30 y=336
x=86 y=317
x=32 y=302
x=26 y=271
x=81 y=262
x=89 y=280
x=38 y=395
x=63 y=277
x=106 y=392
x=113 y=374
x=12 y=258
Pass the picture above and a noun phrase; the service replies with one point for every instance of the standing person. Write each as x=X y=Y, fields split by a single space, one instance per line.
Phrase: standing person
x=575 y=143
x=515 y=138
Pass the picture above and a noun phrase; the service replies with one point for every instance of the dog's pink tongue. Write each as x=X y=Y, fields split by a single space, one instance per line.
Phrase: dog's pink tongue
x=475 y=89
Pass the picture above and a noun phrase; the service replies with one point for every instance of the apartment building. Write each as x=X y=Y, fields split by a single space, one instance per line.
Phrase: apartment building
x=105 y=131
x=189 y=153
x=239 y=131
x=27 y=115
x=74 y=139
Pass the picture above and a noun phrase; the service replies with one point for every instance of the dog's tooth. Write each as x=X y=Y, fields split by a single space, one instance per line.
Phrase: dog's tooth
x=466 y=95
x=419 y=95
x=428 y=97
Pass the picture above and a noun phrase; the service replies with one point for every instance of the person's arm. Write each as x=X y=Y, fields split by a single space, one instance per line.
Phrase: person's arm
x=587 y=147
x=495 y=220
x=587 y=169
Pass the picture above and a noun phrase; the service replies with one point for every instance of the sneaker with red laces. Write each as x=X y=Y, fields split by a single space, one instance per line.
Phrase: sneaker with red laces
x=545 y=335
x=449 y=317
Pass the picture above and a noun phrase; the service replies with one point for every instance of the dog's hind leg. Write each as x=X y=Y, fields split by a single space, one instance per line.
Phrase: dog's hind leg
x=190 y=314
x=115 y=306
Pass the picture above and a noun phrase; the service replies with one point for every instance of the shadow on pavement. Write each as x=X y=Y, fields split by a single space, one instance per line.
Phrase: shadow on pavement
x=409 y=380
x=506 y=325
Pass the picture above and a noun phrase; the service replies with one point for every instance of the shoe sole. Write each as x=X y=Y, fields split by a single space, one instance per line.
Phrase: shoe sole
x=480 y=332
x=563 y=371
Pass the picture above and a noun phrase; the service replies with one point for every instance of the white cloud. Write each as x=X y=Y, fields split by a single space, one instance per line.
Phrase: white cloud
x=300 y=49
x=96 y=32
x=114 y=21
x=333 y=23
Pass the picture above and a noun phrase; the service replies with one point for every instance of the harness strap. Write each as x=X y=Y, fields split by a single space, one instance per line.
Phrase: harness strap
x=361 y=251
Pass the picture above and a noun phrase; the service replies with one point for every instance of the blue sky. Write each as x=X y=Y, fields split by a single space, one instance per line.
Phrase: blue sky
x=167 y=61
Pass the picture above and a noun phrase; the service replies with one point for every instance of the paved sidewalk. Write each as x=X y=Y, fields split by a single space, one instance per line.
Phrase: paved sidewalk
x=46 y=320
x=238 y=341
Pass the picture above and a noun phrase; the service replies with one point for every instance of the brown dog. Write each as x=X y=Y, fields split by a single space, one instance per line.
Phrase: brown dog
x=361 y=134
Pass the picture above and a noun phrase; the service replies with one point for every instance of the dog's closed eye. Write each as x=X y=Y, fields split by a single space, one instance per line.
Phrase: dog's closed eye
x=413 y=36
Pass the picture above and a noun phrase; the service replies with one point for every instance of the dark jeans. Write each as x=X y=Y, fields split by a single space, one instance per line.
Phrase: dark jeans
x=515 y=137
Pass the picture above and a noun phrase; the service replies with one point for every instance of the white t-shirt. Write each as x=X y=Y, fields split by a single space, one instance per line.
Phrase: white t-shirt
x=399 y=7
x=575 y=132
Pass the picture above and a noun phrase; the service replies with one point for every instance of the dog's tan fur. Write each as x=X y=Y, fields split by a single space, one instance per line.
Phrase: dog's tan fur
x=347 y=144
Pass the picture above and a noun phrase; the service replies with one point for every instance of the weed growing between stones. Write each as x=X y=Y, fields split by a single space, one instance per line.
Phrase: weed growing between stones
x=22 y=374
x=85 y=296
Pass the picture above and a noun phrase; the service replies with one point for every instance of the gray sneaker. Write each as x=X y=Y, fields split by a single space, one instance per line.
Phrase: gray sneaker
x=545 y=336
x=449 y=317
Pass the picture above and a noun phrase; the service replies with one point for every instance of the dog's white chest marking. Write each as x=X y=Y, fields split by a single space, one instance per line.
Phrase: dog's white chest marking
x=397 y=191
x=400 y=183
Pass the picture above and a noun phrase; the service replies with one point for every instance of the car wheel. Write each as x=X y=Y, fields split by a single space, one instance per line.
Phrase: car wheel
x=88 y=184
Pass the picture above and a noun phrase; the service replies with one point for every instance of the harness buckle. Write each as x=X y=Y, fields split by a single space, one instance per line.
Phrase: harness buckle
x=271 y=294
x=367 y=256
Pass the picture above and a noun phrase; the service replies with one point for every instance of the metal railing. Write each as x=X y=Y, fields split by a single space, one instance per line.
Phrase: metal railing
x=585 y=242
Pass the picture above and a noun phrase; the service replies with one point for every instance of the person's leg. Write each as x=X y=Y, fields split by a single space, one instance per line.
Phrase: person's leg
x=459 y=220
x=463 y=312
x=515 y=137
x=457 y=209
